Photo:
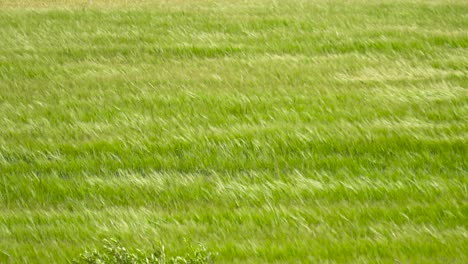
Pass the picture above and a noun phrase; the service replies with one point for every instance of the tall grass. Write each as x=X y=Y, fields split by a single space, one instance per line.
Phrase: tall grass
x=269 y=131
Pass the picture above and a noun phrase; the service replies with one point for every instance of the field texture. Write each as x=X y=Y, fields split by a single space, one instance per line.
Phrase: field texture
x=269 y=131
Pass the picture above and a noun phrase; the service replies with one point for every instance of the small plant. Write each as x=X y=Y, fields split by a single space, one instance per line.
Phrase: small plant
x=114 y=253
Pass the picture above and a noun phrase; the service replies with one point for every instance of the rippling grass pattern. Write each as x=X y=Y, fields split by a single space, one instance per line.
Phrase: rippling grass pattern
x=270 y=131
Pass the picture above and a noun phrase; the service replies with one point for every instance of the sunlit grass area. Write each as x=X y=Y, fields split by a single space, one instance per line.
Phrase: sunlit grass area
x=269 y=131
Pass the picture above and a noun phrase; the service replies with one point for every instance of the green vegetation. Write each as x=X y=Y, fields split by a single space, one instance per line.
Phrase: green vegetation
x=269 y=131
x=113 y=252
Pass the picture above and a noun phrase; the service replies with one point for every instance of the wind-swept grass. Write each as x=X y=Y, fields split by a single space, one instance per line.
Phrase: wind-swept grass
x=269 y=131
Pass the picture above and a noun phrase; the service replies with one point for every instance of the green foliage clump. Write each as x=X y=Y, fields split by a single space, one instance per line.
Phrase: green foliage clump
x=115 y=253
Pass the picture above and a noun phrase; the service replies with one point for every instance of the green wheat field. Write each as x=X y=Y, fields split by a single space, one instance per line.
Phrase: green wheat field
x=288 y=131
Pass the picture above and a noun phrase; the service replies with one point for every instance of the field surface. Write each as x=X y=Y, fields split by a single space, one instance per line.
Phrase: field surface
x=270 y=131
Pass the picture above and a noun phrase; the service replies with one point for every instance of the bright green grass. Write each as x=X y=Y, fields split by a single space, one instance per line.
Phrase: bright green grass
x=269 y=131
